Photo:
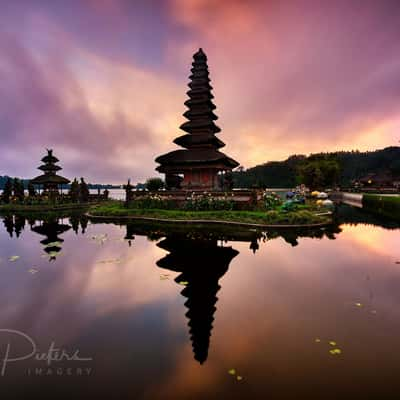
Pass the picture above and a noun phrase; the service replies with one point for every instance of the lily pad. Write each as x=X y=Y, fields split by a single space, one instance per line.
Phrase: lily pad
x=13 y=258
x=33 y=271
x=332 y=343
x=335 y=352
x=111 y=261
x=100 y=238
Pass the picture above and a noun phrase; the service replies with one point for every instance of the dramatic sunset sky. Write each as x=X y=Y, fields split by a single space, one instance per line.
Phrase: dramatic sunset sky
x=103 y=81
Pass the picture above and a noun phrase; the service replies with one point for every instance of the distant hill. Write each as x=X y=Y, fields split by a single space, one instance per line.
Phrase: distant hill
x=3 y=180
x=353 y=165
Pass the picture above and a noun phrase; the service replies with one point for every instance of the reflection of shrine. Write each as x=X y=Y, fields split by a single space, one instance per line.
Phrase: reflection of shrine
x=51 y=229
x=130 y=234
x=201 y=262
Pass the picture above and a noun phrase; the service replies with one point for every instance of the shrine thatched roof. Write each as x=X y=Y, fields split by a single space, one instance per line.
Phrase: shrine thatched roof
x=196 y=156
x=49 y=179
x=189 y=141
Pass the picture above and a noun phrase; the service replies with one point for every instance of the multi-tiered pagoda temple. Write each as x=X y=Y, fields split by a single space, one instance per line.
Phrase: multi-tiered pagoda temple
x=197 y=166
x=50 y=180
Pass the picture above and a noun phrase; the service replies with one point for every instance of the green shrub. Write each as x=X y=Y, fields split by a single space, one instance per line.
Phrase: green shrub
x=154 y=184
x=271 y=200
x=289 y=205
x=388 y=206
x=152 y=201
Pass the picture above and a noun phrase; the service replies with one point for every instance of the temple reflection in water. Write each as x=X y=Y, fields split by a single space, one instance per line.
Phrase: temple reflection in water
x=201 y=264
x=51 y=229
x=200 y=256
x=202 y=259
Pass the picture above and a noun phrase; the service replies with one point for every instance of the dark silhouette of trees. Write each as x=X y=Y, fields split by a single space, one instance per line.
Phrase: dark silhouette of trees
x=31 y=189
x=7 y=192
x=154 y=184
x=353 y=166
x=74 y=191
x=319 y=173
x=18 y=189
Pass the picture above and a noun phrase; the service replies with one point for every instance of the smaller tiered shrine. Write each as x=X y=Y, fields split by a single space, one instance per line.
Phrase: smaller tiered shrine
x=49 y=180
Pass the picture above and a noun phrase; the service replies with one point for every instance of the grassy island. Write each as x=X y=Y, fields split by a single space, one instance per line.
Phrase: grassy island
x=299 y=217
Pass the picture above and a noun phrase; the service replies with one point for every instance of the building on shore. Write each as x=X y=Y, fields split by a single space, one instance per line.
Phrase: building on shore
x=49 y=180
x=197 y=166
x=382 y=179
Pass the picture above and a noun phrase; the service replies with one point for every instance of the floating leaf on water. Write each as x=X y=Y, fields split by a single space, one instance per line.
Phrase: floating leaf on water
x=100 y=238
x=33 y=271
x=111 y=261
x=332 y=343
x=239 y=377
x=335 y=352
x=13 y=258
x=317 y=340
x=232 y=371
x=183 y=283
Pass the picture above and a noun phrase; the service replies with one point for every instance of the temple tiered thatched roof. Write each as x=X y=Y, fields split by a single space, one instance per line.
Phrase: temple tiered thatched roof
x=50 y=179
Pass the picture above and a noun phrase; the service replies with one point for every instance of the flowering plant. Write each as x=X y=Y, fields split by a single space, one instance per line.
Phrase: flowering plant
x=271 y=200
x=206 y=202
x=152 y=201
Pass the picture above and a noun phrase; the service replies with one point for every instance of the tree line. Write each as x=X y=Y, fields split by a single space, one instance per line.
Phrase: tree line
x=14 y=190
x=320 y=170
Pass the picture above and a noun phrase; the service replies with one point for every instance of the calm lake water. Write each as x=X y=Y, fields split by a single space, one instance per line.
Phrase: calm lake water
x=160 y=313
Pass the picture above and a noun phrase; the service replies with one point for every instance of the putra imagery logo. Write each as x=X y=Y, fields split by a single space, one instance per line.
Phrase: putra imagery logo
x=49 y=358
